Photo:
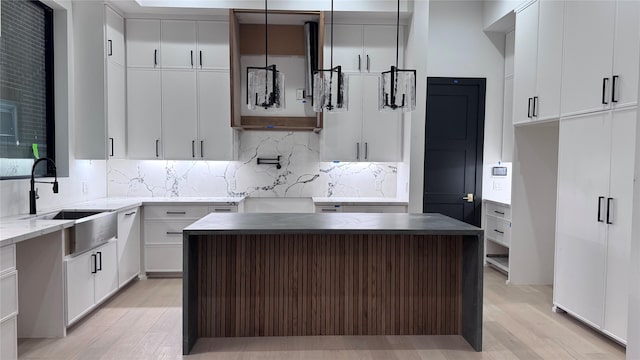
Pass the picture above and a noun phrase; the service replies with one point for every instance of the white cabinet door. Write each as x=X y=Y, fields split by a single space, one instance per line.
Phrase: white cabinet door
x=342 y=132
x=587 y=64
x=9 y=339
x=143 y=43
x=115 y=36
x=524 y=72
x=179 y=114
x=144 y=114
x=178 y=44
x=106 y=277
x=80 y=279
x=623 y=130
x=583 y=177
x=347 y=47
x=116 y=110
x=213 y=45
x=215 y=135
x=381 y=130
x=128 y=245
x=379 y=43
x=549 y=65
x=626 y=53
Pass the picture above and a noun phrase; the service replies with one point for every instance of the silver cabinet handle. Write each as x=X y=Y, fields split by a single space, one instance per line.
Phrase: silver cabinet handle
x=357 y=151
x=176 y=213
x=174 y=232
x=366 y=150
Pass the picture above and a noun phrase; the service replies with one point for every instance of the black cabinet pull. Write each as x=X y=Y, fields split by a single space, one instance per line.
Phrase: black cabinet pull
x=111 y=140
x=193 y=148
x=609 y=222
x=200 y=59
x=129 y=214
x=529 y=108
x=100 y=256
x=110 y=47
x=534 y=113
x=600 y=198
x=174 y=232
x=191 y=58
x=604 y=90
x=359 y=62
x=201 y=148
x=176 y=212
x=95 y=264
x=368 y=63
x=366 y=150
x=498 y=212
x=157 y=154
x=613 y=89
x=357 y=151
x=155 y=57
x=498 y=231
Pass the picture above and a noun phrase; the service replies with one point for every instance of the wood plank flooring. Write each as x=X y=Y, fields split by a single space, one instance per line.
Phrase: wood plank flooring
x=145 y=322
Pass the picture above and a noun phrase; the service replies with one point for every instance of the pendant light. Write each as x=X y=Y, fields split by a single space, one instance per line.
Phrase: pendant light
x=265 y=85
x=330 y=86
x=397 y=87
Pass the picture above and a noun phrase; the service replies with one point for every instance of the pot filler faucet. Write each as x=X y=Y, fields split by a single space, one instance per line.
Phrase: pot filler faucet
x=33 y=195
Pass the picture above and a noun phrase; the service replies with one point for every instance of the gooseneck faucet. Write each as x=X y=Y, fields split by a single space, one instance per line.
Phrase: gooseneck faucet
x=32 y=193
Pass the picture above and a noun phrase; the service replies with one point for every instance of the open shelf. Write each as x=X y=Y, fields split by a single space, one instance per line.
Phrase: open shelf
x=500 y=262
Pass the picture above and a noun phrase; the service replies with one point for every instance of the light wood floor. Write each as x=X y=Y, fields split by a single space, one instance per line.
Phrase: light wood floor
x=144 y=322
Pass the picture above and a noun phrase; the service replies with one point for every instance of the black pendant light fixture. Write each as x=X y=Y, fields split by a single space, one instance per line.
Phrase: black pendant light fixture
x=265 y=85
x=397 y=87
x=330 y=86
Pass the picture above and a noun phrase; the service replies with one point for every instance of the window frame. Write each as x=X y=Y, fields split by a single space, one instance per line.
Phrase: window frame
x=50 y=92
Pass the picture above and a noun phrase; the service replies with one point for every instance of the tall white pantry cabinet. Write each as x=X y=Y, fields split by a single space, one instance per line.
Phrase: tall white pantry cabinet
x=596 y=162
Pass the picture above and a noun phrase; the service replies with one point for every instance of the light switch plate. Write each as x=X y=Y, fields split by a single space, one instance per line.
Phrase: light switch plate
x=299 y=94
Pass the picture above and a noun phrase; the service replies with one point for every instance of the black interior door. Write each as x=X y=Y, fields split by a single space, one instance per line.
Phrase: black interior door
x=453 y=147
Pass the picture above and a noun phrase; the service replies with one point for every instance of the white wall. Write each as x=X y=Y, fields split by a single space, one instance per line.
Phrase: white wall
x=496 y=11
x=458 y=47
x=416 y=58
x=14 y=197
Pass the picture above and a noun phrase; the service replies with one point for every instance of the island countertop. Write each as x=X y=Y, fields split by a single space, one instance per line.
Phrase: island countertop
x=345 y=223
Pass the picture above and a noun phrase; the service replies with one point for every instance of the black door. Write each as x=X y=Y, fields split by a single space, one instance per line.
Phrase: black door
x=453 y=148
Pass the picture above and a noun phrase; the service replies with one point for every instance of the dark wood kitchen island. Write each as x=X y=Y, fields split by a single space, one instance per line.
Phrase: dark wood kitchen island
x=280 y=274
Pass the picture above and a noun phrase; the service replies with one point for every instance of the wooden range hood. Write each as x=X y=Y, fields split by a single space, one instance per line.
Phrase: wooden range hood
x=284 y=40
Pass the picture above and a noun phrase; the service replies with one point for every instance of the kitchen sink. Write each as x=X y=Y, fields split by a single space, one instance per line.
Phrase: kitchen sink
x=65 y=215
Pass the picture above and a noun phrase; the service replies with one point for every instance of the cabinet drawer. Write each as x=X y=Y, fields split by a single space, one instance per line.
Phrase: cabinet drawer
x=9 y=339
x=8 y=295
x=7 y=258
x=166 y=258
x=223 y=209
x=169 y=232
x=498 y=230
x=175 y=212
x=328 y=208
x=374 y=209
x=499 y=210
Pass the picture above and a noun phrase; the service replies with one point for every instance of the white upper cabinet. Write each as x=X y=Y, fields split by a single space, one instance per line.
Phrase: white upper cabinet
x=381 y=130
x=525 y=57
x=116 y=111
x=588 y=56
x=626 y=54
x=178 y=45
x=179 y=114
x=538 y=61
x=342 y=131
x=215 y=135
x=144 y=106
x=143 y=43
x=115 y=36
x=213 y=45
x=363 y=48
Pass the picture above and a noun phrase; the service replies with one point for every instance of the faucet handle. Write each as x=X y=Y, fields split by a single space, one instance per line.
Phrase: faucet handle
x=37 y=195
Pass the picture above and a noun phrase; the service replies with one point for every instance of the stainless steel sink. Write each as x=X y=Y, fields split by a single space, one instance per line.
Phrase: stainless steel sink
x=92 y=227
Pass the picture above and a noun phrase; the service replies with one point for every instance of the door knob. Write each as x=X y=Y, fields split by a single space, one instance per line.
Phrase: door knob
x=469 y=197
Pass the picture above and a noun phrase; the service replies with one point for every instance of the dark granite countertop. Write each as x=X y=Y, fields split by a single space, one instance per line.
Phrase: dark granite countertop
x=339 y=223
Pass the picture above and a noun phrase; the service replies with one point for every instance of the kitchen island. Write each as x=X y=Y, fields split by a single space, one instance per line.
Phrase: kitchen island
x=249 y=274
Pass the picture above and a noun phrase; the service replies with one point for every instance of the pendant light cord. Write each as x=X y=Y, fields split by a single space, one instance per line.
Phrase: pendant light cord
x=397 y=32
x=332 y=35
x=266 y=36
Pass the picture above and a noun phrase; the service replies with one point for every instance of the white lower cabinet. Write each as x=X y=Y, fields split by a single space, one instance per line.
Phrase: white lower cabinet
x=90 y=278
x=8 y=303
x=128 y=245
x=593 y=226
x=9 y=339
x=497 y=234
x=361 y=208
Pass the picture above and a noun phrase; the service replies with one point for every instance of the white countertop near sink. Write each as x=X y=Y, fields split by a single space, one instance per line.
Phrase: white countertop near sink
x=358 y=201
x=18 y=228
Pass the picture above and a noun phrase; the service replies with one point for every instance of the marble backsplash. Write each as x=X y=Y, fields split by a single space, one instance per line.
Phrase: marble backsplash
x=302 y=173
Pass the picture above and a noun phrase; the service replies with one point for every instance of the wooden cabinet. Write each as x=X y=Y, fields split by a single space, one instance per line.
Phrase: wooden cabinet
x=600 y=66
x=538 y=61
x=363 y=48
x=128 y=245
x=593 y=230
x=143 y=43
x=363 y=133
x=90 y=279
x=144 y=131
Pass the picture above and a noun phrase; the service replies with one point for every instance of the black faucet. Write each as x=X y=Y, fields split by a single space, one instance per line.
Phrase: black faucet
x=32 y=193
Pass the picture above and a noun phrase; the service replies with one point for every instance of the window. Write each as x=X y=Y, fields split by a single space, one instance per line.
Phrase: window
x=26 y=87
